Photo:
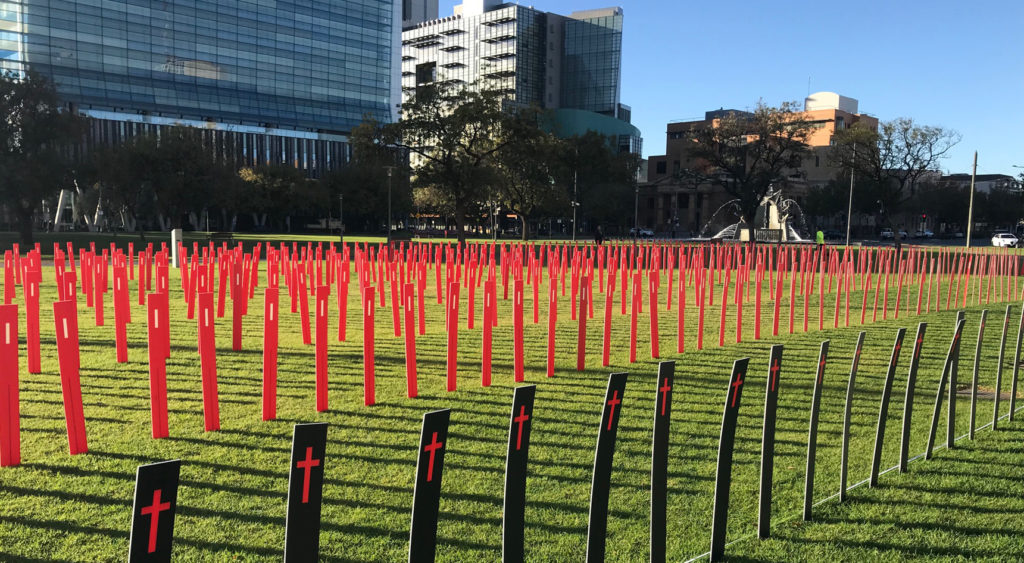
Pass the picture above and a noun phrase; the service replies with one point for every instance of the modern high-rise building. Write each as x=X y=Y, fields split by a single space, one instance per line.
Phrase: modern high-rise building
x=418 y=11
x=273 y=82
x=568 y=64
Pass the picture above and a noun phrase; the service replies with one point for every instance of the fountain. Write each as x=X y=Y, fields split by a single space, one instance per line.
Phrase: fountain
x=773 y=221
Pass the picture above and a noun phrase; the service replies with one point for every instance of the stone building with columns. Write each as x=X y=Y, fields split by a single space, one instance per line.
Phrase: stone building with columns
x=671 y=202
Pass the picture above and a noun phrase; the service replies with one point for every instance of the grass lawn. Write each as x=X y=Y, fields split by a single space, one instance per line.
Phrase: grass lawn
x=965 y=503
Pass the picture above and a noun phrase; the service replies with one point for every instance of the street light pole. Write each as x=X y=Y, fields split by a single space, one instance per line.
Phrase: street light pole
x=970 y=205
x=341 y=217
x=575 y=204
x=849 y=206
x=390 y=169
x=636 y=213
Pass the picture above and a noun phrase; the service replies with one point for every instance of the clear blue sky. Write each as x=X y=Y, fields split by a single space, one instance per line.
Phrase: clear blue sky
x=956 y=64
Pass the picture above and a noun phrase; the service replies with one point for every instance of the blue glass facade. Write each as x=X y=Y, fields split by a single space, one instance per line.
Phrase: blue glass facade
x=313 y=65
x=593 y=61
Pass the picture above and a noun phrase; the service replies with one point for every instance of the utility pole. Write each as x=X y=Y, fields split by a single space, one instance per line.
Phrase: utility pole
x=575 y=203
x=390 y=169
x=576 y=196
x=636 y=213
x=849 y=206
x=970 y=205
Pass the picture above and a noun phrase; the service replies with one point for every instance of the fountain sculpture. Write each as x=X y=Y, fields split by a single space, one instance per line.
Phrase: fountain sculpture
x=773 y=220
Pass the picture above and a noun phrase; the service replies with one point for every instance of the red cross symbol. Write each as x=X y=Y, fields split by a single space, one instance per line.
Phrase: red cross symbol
x=917 y=349
x=153 y=511
x=307 y=465
x=775 y=373
x=821 y=368
x=899 y=346
x=523 y=417
x=432 y=447
x=664 y=389
x=612 y=403
x=736 y=388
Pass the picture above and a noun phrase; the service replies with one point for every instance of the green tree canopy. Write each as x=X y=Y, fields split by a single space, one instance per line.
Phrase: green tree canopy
x=36 y=145
x=747 y=153
x=452 y=134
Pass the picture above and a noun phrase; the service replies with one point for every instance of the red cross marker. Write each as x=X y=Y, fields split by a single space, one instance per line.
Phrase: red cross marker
x=432 y=447
x=612 y=403
x=821 y=369
x=307 y=464
x=153 y=511
x=775 y=373
x=736 y=388
x=917 y=350
x=665 y=388
x=523 y=417
x=899 y=346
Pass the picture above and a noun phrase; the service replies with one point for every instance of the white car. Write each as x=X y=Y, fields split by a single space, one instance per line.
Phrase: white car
x=1004 y=239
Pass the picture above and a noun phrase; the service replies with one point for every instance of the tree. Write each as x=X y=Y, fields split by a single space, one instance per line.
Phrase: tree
x=121 y=176
x=604 y=180
x=526 y=167
x=271 y=192
x=895 y=157
x=36 y=142
x=184 y=175
x=453 y=132
x=364 y=180
x=748 y=153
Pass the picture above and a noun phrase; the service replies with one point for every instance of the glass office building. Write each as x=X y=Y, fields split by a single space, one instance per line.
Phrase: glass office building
x=284 y=81
x=593 y=61
x=568 y=64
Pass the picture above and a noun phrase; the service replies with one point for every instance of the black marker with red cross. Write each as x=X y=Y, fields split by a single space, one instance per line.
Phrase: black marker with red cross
x=999 y=367
x=954 y=373
x=723 y=473
x=156 y=497
x=771 y=401
x=597 y=525
x=908 y=401
x=812 y=432
x=844 y=453
x=305 y=492
x=426 y=496
x=515 y=472
x=952 y=357
x=883 y=407
x=659 y=458
x=1016 y=367
x=974 y=378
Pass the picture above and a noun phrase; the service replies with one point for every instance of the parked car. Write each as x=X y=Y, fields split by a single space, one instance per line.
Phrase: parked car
x=833 y=234
x=886 y=234
x=904 y=234
x=644 y=233
x=924 y=234
x=1004 y=239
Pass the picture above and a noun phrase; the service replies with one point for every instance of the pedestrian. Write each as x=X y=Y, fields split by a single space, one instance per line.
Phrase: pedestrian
x=599 y=236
